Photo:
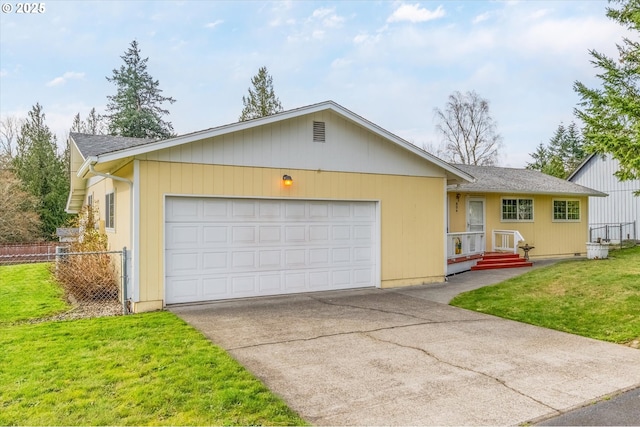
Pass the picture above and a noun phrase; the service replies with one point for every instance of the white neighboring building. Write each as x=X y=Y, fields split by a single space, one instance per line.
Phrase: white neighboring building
x=611 y=214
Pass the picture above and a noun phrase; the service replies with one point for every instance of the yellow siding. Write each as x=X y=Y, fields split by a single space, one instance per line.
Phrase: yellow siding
x=550 y=238
x=411 y=210
x=120 y=236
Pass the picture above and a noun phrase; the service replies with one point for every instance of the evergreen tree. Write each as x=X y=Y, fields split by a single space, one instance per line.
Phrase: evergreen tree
x=92 y=125
x=262 y=100
x=564 y=153
x=135 y=110
x=42 y=170
x=611 y=114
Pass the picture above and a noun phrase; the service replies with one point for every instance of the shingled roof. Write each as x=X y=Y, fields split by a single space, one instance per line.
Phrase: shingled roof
x=95 y=145
x=493 y=179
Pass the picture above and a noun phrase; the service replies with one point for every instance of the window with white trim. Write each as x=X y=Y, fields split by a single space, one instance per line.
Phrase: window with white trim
x=110 y=211
x=566 y=210
x=517 y=209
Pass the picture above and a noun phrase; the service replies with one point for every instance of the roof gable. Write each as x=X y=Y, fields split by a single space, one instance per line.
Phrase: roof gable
x=99 y=151
x=493 y=179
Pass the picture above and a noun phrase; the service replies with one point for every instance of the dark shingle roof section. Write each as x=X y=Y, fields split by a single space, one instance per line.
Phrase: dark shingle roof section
x=95 y=145
x=493 y=179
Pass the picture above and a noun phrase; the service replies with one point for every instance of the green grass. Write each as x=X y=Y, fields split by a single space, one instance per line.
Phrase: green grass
x=27 y=291
x=147 y=369
x=593 y=298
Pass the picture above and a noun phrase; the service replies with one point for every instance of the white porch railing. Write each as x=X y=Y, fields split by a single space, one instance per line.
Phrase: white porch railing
x=465 y=244
x=506 y=240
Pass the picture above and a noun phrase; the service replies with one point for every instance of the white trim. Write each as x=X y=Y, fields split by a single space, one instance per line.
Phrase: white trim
x=559 y=199
x=135 y=233
x=517 y=198
x=111 y=228
x=484 y=211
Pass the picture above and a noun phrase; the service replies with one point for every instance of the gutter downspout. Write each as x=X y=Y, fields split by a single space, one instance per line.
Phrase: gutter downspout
x=126 y=300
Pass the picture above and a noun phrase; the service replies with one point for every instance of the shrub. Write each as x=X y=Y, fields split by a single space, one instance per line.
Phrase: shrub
x=87 y=274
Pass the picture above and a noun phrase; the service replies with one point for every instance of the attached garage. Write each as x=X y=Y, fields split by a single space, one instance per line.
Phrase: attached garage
x=210 y=216
x=221 y=248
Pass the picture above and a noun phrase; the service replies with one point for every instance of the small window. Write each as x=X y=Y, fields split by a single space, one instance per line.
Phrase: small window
x=517 y=209
x=110 y=207
x=566 y=210
x=90 y=200
x=319 y=132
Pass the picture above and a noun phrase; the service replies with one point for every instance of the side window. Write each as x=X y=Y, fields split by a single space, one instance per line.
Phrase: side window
x=566 y=210
x=110 y=210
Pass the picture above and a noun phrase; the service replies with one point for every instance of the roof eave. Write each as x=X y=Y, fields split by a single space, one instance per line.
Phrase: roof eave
x=455 y=175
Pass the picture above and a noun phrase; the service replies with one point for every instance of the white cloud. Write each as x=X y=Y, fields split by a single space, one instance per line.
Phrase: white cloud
x=414 y=13
x=213 y=24
x=328 y=17
x=69 y=75
x=482 y=17
x=3 y=73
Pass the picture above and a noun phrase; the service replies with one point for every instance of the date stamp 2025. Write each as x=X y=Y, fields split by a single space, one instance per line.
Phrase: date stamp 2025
x=23 y=8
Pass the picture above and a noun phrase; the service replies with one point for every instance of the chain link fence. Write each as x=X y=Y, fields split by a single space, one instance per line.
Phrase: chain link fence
x=620 y=234
x=94 y=283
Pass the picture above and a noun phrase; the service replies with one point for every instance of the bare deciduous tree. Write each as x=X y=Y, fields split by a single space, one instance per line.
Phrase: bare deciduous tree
x=469 y=132
x=9 y=131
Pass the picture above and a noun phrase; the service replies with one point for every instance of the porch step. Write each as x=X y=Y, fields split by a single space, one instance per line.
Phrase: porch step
x=499 y=260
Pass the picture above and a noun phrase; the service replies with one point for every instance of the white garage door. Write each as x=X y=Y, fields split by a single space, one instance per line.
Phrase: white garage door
x=231 y=248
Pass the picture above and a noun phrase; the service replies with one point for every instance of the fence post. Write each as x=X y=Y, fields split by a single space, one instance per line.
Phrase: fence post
x=125 y=277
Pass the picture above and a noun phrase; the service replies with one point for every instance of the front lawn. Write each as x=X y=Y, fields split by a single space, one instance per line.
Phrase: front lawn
x=593 y=298
x=147 y=369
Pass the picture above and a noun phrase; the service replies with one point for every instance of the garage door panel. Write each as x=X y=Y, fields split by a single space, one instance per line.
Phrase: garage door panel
x=183 y=236
x=215 y=260
x=295 y=281
x=270 y=283
x=183 y=262
x=271 y=259
x=215 y=287
x=244 y=209
x=243 y=285
x=243 y=234
x=230 y=248
x=215 y=209
x=215 y=234
x=182 y=290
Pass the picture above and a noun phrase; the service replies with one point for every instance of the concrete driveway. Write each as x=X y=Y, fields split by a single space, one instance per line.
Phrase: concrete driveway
x=395 y=357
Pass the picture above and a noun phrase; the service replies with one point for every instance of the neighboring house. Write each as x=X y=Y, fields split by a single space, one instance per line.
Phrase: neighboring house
x=619 y=211
x=506 y=208
x=208 y=215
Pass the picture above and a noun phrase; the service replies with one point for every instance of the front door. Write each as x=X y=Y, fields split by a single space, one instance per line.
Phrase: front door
x=475 y=214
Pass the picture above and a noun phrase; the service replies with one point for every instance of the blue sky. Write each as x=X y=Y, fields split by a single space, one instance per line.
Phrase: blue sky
x=391 y=62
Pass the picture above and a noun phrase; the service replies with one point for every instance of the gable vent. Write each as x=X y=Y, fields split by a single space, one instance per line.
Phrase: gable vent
x=319 y=132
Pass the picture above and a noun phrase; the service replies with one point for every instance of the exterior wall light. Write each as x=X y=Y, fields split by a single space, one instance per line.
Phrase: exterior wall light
x=287 y=180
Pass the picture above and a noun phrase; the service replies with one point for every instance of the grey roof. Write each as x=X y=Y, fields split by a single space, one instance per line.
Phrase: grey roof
x=493 y=179
x=94 y=145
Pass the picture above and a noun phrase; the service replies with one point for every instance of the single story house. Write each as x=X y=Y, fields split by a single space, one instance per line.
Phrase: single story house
x=506 y=208
x=616 y=217
x=315 y=198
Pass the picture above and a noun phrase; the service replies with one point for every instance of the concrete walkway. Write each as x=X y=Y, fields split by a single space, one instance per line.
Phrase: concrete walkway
x=397 y=357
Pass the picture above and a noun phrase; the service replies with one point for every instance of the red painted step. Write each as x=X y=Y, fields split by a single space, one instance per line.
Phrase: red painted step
x=501 y=260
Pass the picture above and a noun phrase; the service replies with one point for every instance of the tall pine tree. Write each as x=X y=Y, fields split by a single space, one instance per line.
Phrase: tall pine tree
x=563 y=154
x=136 y=108
x=42 y=170
x=262 y=100
x=611 y=114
